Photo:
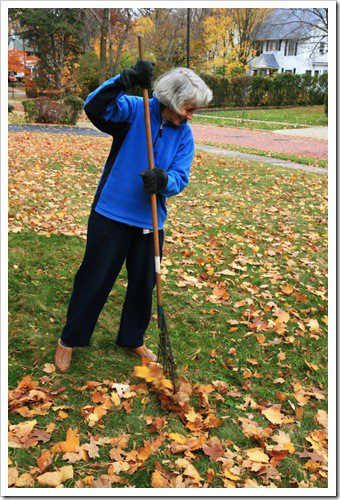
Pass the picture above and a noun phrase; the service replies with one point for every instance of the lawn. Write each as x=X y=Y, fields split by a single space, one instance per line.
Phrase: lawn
x=292 y=117
x=314 y=162
x=245 y=292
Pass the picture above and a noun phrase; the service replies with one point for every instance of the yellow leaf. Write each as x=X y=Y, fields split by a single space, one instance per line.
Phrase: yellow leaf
x=158 y=480
x=257 y=455
x=192 y=416
x=71 y=443
x=311 y=366
x=52 y=479
x=49 y=368
x=273 y=415
x=313 y=325
x=143 y=372
x=191 y=471
x=179 y=438
x=67 y=472
x=230 y=475
x=63 y=414
x=115 y=398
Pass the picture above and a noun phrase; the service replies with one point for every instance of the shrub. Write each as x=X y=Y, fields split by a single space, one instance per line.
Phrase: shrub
x=73 y=106
x=326 y=104
x=30 y=110
x=45 y=110
x=10 y=108
x=48 y=111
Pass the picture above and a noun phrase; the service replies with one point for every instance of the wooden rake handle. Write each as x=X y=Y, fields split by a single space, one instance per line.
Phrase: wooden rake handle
x=151 y=165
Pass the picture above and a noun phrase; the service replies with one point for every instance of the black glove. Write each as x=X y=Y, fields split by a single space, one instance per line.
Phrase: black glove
x=139 y=74
x=155 y=180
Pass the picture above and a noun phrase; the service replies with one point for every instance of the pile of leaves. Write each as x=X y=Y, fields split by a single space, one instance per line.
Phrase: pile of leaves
x=195 y=406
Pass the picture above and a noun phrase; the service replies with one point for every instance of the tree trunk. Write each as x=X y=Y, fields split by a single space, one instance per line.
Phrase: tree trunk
x=103 y=43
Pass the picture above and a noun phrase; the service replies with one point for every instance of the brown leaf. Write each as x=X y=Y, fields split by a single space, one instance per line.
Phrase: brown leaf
x=92 y=448
x=322 y=417
x=12 y=475
x=213 y=448
x=44 y=461
x=25 y=481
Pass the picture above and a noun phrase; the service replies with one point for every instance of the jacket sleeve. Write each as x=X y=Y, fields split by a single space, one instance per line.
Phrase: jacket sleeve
x=108 y=105
x=178 y=172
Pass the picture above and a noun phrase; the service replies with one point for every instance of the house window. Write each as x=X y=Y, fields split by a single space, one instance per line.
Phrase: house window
x=282 y=70
x=325 y=71
x=271 y=45
x=322 y=48
x=291 y=48
x=316 y=72
x=278 y=44
x=267 y=46
x=308 y=72
x=294 y=70
x=288 y=71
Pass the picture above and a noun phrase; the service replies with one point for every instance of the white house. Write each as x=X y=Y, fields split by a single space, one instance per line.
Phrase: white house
x=285 y=43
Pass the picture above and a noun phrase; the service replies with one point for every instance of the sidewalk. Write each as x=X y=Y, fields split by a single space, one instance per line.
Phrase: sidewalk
x=264 y=140
x=315 y=132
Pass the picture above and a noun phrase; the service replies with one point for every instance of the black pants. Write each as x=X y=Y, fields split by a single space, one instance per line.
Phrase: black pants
x=109 y=244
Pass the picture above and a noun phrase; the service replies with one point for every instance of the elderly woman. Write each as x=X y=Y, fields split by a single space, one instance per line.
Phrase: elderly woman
x=120 y=223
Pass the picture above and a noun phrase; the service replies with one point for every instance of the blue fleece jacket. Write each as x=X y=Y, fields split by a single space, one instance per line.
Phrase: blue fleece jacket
x=120 y=194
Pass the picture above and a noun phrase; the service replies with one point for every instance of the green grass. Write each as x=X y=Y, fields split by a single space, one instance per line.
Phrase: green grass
x=315 y=162
x=295 y=117
x=269 y=217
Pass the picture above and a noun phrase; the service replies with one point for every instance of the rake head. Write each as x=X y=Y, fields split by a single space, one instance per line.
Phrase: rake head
x=165 y=356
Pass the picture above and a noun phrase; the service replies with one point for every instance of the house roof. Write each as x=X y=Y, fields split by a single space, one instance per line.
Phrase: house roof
x=283 y=24
x=267 y=61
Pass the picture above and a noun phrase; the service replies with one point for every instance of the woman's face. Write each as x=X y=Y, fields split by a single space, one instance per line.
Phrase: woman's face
x=186 y=113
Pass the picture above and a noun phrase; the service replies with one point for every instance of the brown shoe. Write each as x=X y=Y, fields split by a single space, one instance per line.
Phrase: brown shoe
x=62 y=358
x=144 y=352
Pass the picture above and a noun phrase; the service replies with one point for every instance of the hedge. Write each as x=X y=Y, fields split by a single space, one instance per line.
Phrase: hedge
x=256 y=91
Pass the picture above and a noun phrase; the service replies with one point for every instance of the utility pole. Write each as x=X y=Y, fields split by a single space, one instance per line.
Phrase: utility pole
x=188 y=38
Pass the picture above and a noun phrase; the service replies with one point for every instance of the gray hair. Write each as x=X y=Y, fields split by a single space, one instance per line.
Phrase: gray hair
x=180 y=86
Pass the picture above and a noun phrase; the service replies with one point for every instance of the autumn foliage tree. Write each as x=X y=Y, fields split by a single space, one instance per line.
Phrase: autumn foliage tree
x=228 y=34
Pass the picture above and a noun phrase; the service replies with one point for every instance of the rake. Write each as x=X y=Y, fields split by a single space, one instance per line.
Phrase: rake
x=165 y=356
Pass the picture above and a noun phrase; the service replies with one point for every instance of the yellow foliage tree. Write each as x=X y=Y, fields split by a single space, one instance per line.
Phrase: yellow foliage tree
x=228 y=34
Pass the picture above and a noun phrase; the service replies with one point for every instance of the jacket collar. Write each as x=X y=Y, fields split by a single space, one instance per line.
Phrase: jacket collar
x=157 y=108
